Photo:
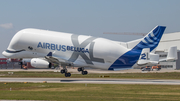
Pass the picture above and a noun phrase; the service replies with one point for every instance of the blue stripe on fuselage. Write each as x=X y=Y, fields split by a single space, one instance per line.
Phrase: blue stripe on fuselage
x=127 y=60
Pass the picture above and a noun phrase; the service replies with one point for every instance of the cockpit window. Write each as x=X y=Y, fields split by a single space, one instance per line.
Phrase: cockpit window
x=15 y=51
x=30 y=48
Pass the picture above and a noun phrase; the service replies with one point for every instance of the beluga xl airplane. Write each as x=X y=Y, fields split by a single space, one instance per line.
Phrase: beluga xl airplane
x=49 y=47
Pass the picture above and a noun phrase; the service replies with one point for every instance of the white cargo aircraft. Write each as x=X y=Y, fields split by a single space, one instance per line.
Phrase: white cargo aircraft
x=46 y=47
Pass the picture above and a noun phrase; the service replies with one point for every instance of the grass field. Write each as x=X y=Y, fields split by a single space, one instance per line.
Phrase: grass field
x=91 y=92
x=167 y=75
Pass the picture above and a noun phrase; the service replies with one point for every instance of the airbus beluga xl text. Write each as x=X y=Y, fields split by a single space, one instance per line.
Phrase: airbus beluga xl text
x=47 y=47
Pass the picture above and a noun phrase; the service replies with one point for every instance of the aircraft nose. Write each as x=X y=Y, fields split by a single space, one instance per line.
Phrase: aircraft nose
x=4 y=53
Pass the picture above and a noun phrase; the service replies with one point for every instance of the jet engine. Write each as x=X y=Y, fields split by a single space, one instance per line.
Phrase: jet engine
x=40 y=63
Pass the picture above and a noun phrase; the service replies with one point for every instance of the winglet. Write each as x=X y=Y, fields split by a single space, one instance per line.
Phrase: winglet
x=49 y=54
x=172 y=54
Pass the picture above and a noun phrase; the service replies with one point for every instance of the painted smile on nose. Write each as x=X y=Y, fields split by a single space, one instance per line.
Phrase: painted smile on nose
x=9 y=51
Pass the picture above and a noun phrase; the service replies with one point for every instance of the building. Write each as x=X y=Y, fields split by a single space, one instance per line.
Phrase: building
x=3 y=60
x=167 y=41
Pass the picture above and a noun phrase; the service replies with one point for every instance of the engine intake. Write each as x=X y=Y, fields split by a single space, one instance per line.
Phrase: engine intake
x=40 y=63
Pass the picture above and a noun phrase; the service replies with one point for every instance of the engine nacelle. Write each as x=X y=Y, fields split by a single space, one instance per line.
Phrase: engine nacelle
x=40 y=63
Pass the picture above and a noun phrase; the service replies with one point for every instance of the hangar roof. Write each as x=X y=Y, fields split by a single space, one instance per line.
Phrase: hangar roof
x=168 y=40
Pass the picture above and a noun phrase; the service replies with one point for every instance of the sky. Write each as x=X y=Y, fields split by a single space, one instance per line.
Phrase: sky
x=88 y=17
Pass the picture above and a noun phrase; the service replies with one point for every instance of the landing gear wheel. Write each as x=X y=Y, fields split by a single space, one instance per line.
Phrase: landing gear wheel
x=80 y=69
x=64 y=71
x=84 y=72
x=67 y=74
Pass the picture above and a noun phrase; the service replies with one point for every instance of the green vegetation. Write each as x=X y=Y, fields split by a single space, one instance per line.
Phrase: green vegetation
x=168 y=75
x=91 y=92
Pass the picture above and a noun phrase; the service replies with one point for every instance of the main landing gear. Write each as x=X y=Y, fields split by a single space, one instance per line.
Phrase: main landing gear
x=64 y=71
x=67 y=74
x=82 y=69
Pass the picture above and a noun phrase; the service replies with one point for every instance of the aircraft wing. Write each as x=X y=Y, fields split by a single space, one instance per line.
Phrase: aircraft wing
x=56 y=60
x=172 y=54
x=149 y=59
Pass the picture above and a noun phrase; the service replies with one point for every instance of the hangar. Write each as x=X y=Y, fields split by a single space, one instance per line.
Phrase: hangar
x=168 y=40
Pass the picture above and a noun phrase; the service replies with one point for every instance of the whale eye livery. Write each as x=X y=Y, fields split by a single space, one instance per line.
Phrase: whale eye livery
x=48 y=47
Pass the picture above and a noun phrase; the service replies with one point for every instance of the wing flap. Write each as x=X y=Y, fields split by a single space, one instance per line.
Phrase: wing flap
x=56 y=60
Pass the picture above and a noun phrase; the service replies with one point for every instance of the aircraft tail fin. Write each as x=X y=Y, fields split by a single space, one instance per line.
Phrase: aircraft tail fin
x=148 y=59
x=152 y=39
x=136 y=53
x=144 y=57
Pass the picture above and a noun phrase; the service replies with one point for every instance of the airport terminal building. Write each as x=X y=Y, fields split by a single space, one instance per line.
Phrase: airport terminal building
x=167 y=41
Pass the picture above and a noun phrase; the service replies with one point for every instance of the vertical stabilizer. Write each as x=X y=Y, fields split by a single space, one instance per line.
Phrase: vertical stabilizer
x=152 y=39
x=144 y=57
